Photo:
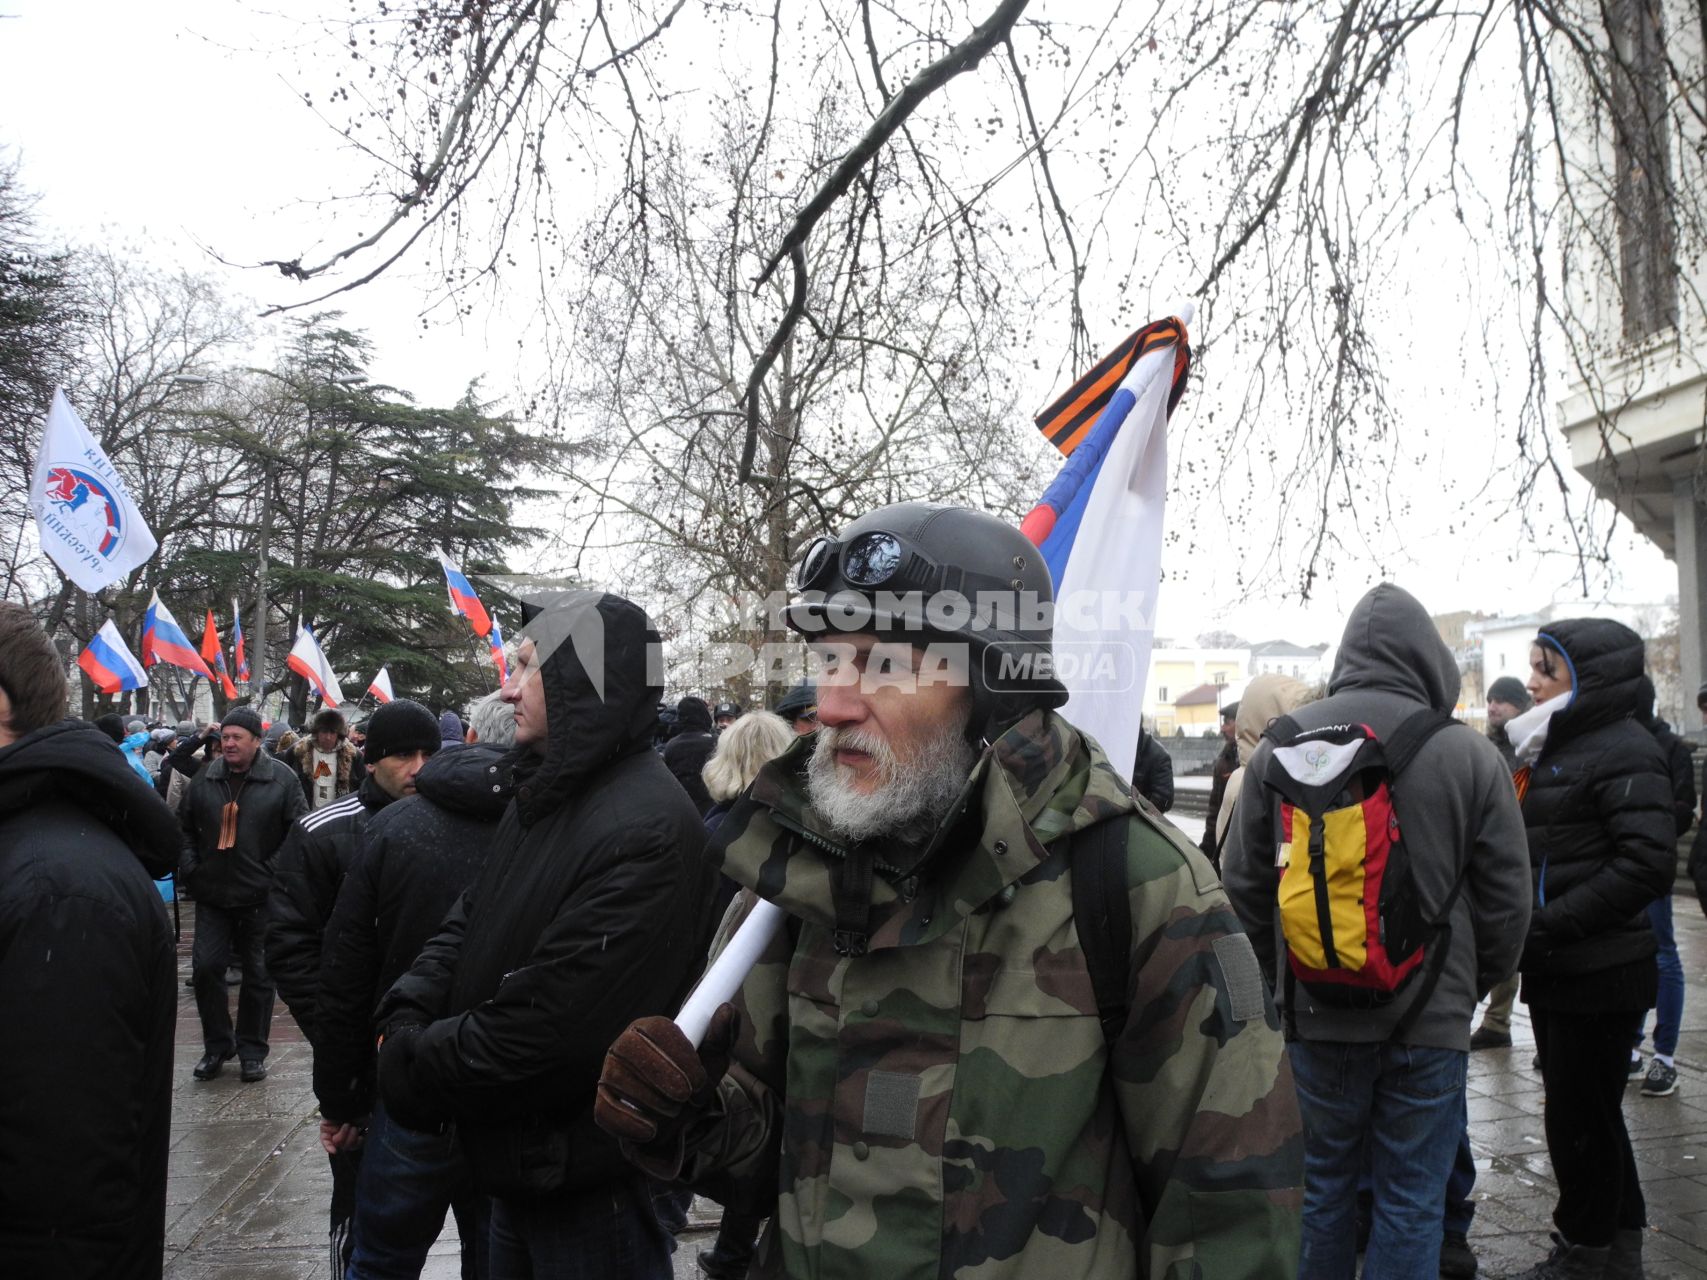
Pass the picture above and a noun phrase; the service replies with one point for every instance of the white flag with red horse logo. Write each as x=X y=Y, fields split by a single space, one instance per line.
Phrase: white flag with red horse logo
x=85 y=518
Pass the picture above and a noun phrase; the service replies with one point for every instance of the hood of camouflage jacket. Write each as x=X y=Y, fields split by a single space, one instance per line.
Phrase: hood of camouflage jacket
x=1039 y=781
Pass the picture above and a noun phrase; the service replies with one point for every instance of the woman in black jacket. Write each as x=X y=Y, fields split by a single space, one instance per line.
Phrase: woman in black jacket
x=1597 y=807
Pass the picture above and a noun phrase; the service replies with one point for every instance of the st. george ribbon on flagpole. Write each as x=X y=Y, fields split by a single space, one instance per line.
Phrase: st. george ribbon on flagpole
x=1099 y=526
x=85 y=518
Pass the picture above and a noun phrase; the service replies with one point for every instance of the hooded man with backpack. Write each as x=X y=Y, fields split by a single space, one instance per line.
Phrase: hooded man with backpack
x=926 y=1073
x=1378 y=996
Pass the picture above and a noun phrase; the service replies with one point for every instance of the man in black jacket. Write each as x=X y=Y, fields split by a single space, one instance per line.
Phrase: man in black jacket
x=1225 y=766
x=311 y=866
x=417 y=858
x=88 y=985
x=235 y=814
x=591 y=911
x=1153 y=773
x=689 y=748
x=322 y=846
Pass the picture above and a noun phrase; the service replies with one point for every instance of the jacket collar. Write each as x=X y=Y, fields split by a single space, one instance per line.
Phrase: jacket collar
x=264 y=768
x=1039 y=781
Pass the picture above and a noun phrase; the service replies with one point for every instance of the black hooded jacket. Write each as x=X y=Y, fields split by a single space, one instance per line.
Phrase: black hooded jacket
x=687 y=752
x=88 y=999
x=593 y=909
x=417 y=857
x=1458 y=817
x=1602 y=839
x=311 y=865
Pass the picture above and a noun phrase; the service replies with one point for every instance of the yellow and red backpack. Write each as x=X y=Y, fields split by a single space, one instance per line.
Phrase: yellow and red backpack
x=1356 y=932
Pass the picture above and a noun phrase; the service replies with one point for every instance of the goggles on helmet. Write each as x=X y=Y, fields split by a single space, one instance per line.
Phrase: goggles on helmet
x=881 y=559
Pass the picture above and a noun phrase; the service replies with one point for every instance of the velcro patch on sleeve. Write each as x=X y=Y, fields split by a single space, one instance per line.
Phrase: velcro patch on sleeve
x=892 y=1103
x=1241 y=975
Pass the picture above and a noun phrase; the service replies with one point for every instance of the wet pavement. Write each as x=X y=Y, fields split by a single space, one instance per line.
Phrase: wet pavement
x=249 y=1184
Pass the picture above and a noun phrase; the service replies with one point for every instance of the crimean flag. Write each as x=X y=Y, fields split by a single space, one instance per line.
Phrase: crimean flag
x=163 y=640
x=237 y=641
x=308 y=660
x=495 y=641
x=108 y=662
x=215 y=656
x=462 y=597
x=1099 y=527
x=381 y=687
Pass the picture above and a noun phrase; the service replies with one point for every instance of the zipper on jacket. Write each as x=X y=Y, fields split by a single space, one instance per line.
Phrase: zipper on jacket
x=835 y=851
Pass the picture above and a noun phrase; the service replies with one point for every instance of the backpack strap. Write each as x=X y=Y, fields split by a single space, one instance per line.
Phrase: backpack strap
x=1413 y=732
x=1102 y=913
x=1282 y=730
x=1438 y=949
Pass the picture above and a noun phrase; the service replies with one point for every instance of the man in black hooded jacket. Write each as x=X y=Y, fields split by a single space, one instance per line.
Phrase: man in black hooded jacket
x=417 y=857
x=88 y=985
x=690 y=747
x=592 y=910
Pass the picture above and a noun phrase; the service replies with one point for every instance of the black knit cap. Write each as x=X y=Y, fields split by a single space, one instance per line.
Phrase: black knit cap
x=1510 y=690
x=243 y=718
x=399 y=727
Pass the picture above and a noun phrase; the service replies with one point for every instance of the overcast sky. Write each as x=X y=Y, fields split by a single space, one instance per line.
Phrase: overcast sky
x=179 y=128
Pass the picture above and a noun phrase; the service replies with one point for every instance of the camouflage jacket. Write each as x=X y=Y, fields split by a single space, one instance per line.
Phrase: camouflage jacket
x=945 y=1105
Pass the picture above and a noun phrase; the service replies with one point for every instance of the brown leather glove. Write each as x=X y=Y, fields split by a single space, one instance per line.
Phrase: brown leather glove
x=654 y=1082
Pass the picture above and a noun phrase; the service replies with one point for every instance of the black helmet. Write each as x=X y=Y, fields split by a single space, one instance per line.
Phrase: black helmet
x=924 y=571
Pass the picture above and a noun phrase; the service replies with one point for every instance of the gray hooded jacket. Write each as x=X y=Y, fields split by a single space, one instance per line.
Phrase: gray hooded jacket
x=1457 y=813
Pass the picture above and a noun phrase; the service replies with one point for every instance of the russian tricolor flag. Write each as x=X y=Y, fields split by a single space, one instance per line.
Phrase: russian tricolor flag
x=237 y=641
x=381 y=687
x=308 y=660
x=462 y=597
x=108 y=663
x=496 y=642
x=1099 y=527
x=163 y=640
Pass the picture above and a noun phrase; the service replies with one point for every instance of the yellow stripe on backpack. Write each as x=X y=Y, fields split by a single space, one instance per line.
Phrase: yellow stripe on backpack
x=1345 y=844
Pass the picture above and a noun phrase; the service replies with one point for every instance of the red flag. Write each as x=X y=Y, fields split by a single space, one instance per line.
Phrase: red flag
x=214 y=656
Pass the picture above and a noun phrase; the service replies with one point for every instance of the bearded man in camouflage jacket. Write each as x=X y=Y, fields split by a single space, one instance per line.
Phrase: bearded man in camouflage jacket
x=914 y=1080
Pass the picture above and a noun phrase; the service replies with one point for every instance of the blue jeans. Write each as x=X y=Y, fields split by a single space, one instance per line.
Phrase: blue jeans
x=1408 y=1104
x=581 y=1235
x=1668 y=1013
x=407 y=1181
x=1460 y=1209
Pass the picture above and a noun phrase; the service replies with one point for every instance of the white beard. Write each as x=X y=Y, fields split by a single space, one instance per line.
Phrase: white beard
x=911 y=796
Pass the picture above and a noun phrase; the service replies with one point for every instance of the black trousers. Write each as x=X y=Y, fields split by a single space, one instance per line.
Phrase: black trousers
x=220 y=933
x=1585 y=1065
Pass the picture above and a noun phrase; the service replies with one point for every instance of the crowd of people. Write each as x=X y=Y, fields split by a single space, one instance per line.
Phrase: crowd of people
x=1016 y=1024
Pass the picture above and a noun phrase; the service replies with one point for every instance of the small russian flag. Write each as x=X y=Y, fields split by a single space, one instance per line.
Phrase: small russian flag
x=496 y=642
x=237 y=641
x=381 y=687
x=163 y=640
x=462 y=597
x=108 y=663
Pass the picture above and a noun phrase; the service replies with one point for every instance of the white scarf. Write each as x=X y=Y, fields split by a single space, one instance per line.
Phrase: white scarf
x=1528 y=732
